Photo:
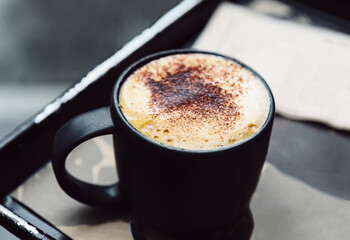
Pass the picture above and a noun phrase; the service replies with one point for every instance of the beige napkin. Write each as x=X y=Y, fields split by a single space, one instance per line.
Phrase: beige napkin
x=307 y=67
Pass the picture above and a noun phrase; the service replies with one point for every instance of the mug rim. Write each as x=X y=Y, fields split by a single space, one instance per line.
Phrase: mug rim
x=143 y=61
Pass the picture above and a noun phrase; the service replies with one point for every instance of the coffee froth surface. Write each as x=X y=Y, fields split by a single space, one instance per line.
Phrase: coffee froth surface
x=194 y=101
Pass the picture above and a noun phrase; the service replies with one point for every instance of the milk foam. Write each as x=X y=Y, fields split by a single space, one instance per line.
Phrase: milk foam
x=195 y=101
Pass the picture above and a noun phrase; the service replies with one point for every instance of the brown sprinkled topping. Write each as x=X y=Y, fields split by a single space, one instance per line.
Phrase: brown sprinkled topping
x=186 y=91
x=191 y=91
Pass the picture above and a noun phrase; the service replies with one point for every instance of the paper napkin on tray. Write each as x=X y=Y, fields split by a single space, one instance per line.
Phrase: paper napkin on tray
x=307 y=67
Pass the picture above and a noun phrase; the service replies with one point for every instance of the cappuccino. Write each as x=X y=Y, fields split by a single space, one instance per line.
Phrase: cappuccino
x=195 y=101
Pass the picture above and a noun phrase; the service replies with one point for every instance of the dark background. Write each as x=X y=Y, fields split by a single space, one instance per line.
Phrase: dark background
x=46 y=46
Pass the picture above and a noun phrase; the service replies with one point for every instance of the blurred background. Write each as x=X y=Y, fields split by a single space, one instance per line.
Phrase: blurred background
x=47 y=46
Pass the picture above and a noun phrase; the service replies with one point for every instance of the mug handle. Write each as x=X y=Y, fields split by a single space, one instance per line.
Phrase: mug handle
x=77 y=130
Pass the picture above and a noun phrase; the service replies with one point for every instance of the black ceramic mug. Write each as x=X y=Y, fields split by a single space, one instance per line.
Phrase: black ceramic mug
x=183 y=193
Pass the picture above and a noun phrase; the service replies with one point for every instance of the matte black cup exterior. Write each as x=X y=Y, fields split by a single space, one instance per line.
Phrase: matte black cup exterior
x=183 y=193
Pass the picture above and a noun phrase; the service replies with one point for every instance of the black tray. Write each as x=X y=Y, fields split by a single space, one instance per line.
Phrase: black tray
x=29 y=145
